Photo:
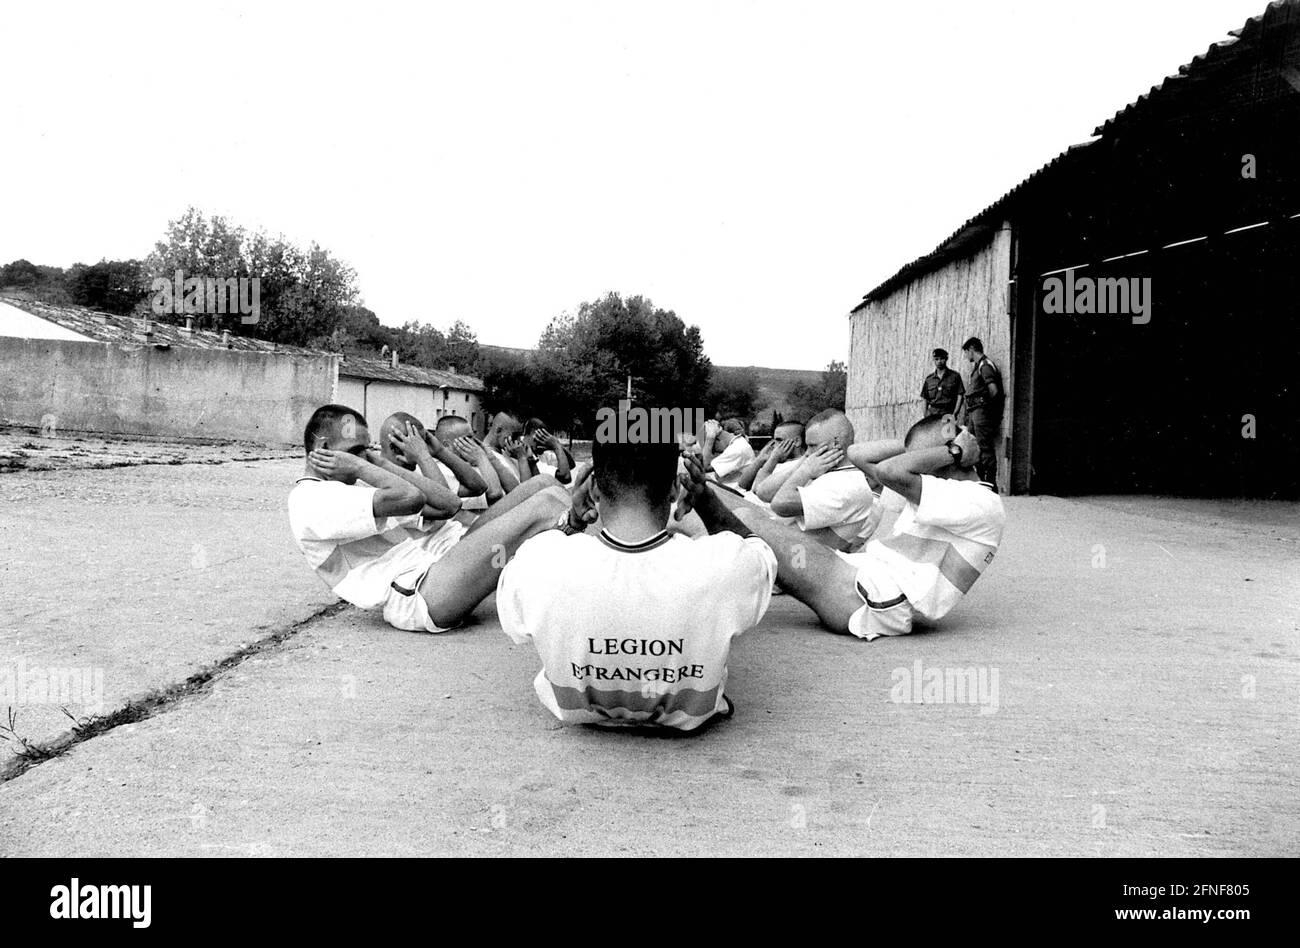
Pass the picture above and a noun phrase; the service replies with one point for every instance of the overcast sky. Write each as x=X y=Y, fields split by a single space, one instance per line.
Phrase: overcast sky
x=755 y=167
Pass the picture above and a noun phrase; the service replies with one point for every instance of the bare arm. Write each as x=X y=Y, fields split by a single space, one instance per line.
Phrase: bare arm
x=768 y=481
x=440 y=502
x=827 y=457
x=562 y=466
x=518 y=452
x=868 y=455
x=903 y=473
x=701 y=498
x=394 y=496
x=706 y=443
x=506 y=474
x=750 y=471
x=473 y=453
x=471 y=482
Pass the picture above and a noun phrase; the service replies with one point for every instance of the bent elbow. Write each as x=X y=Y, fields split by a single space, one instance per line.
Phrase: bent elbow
x=412 y=500
x=787 y=508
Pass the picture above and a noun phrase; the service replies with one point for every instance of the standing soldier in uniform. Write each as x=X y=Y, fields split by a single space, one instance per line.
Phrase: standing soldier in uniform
x=984 y=407
x=942 y=389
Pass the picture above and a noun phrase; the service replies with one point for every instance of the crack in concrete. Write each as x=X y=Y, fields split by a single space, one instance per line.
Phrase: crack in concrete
x=160 y=700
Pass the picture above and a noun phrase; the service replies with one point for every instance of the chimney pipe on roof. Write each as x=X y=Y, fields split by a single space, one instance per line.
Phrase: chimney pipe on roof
x=225 y=338
x=144 y=330
x=451 y=369
x=394 y=358
x=188 y=329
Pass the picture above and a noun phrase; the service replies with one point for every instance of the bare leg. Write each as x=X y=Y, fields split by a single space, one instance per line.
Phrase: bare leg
x=806 y=569
x=464 y=577
x=510 y=501
x=825 y=536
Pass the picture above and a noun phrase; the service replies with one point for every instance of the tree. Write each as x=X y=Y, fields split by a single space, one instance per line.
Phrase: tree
x=807 y=400
x=421 y=344
x=508 y=381
x=114 y=286
x=21 y=274
x=27 y=279
x=733 y=393
x=582 y=362
x=462 y=346
x=359 y=332
x=303 y=295
x=611 y=339
x=835 y=385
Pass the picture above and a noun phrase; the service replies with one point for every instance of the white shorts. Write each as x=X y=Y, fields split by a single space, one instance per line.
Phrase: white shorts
x=885 y=610
x=405 y=608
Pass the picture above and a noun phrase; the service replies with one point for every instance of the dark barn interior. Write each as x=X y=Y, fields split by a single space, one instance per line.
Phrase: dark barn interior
x=1166 y=192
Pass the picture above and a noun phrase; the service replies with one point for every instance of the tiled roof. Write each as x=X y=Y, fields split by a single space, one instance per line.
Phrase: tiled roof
x=415 y=374
x=106 y=327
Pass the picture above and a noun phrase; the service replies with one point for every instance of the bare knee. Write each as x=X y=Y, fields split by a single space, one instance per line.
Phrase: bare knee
x=539 y=482
x=834 y=616
x=557 y=493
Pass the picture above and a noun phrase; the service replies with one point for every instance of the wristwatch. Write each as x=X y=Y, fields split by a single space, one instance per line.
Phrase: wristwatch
x=955 y=450
x=567 y=528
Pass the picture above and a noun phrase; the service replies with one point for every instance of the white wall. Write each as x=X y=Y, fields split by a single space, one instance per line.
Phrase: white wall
x=379 y=399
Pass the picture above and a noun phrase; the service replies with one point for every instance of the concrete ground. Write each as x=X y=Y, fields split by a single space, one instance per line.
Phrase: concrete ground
x=1146 y=656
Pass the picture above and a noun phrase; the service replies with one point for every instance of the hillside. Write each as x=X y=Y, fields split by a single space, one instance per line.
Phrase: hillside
x=773 y=384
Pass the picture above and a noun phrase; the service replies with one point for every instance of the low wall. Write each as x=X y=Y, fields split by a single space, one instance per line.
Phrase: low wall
x=217 y=394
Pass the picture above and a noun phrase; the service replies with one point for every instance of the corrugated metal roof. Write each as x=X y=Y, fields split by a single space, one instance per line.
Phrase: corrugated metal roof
x=1240 y=43
x=973 y=231
x=123 y=330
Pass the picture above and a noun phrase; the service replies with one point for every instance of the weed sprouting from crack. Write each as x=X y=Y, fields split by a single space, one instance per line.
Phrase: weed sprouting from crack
x=27 y=750
x=29 y=753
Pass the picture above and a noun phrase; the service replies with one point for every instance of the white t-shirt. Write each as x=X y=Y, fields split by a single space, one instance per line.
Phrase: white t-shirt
x=478 y=503
x=356 y=555
x=634 y=633
x=729 y=464
x=936 y=552
x=841 y=500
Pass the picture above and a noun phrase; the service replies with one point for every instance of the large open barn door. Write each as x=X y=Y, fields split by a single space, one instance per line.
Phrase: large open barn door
x=1201 y=400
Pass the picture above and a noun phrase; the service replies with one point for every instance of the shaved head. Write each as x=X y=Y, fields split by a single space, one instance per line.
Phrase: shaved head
x=930 y=432
x=451 y=427
x=789 y=429
x=334 y=426
x=829 y=425
x=396 y=421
